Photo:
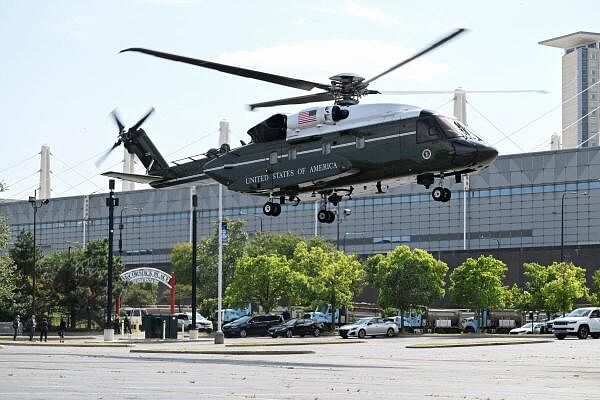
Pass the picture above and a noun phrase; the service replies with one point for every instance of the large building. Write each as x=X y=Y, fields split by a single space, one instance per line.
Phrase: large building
x=580 y=69
x=514 y=210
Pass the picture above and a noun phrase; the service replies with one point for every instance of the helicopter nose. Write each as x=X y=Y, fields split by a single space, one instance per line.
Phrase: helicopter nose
x=486 y=154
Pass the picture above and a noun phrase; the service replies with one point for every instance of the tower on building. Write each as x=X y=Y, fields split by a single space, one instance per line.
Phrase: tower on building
x=555 y=142
x=580 y=66
x=45 y=188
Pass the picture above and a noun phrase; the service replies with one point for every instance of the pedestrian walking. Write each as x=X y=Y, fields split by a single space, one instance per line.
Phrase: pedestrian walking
x=61 y=330
x=117 y=325
x=16 y=323
x=44 y=330
x=31 y=326
x=127 y=325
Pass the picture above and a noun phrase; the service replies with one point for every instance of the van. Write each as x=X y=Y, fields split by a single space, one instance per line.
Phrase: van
x=135 y=315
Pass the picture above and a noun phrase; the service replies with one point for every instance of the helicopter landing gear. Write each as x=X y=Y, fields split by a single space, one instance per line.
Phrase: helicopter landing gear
x=272 y=209
x=326 y=216
x=441 y=194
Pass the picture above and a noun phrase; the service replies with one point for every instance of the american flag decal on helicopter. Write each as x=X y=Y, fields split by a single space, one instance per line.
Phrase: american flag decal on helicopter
x=304 y=117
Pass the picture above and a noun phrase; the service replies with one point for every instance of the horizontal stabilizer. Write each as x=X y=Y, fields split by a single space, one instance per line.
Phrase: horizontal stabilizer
x=133 y=177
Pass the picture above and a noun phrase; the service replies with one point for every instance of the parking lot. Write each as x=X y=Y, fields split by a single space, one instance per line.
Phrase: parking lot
x=336 y=368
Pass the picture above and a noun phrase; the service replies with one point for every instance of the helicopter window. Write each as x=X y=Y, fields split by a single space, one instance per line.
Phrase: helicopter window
x=326 y=148
x=427 y=130
x=360 y=142
x=273 y=158
x=292 y=153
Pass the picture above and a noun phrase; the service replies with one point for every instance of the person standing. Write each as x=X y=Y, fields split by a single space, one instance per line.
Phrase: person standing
x=127 y=325
x=44 y=330
x=61 y=330
x=31 y=326
x=15 y=326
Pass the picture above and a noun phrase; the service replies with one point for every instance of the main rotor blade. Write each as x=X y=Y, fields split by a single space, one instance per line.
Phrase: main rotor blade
x=229 y=69
x=419 y=54
x=405 y=92
x=117 y=119
x=311 y=98
x=141 y=121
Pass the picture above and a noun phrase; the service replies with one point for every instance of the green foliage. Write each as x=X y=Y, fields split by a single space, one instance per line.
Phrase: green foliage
x=407 y=278
x=537 y=276
x=517 y=299
x=266 y=280
x=478 y=283
x=329 y=276
x=181 y=259
x=8 y=285
x=595 y=298
x=567 y=287
x=208 y=307
x=22 y=257
x=140 y=295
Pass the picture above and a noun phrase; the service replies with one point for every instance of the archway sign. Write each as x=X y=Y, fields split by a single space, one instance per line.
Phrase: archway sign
x=146 y=275
x=151 y=275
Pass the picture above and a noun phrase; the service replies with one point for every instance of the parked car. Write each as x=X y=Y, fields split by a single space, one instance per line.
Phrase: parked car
x=296 y=326
x=580 y=322
x=185 y=320
x=369 y=327
x=526 y=329
x=253 y=326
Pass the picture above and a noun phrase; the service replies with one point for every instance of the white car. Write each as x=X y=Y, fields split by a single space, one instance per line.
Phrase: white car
x=580 y=322
x=526 y=329
x=369 y=327
x=185 y=320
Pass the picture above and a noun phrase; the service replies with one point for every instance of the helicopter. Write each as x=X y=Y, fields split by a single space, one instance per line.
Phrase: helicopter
x=334 y=151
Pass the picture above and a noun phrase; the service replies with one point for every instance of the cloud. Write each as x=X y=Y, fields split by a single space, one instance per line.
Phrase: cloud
x=318 y=60
x=354 y=10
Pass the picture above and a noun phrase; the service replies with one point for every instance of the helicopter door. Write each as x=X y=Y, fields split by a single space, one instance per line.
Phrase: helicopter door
x=428 y=130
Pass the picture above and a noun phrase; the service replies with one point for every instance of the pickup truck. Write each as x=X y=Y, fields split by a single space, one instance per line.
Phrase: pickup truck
x=580 y=322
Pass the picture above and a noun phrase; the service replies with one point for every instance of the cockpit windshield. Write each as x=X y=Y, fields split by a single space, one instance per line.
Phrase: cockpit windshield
x=454 y=128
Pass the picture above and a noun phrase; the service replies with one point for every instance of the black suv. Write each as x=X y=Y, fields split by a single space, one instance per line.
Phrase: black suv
x=254 y=326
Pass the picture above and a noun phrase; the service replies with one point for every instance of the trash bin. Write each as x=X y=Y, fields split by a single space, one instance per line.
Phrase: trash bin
x=153 y=326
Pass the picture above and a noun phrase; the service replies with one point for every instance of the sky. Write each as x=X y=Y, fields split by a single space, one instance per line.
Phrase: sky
x=61 y=73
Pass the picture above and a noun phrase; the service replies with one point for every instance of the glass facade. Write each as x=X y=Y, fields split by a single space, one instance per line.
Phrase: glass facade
x=517 y=203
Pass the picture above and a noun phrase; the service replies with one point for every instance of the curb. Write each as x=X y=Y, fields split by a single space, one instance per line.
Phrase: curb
x=58 y=344
x=257 y=344
x=225 y=352
x=159 y=341
x=475 y=344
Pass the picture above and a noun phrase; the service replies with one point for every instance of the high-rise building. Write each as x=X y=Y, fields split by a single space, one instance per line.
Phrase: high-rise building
x=580 y=66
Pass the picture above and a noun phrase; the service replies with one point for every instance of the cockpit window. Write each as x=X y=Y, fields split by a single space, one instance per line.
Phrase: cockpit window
x=455 y=128
x=427 y=130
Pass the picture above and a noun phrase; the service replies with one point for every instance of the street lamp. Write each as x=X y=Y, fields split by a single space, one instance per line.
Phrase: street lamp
x=562 y=221
x=35 y=203
x=350 y=233
x=139 y=209
x=254 y=216
x=492 y=238
x=347 y=213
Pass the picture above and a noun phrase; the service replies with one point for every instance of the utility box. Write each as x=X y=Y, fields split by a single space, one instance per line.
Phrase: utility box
x=153 y=326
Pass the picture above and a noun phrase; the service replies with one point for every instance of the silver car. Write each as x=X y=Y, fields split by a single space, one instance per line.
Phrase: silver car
x=370 y=326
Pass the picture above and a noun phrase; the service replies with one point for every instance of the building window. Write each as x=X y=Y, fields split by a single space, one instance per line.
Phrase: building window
x=360 y=142
x=273 y=158
x=326 y=148
x=292 y=153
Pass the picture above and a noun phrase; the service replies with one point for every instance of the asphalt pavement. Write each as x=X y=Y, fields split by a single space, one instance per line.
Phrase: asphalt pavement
x=374 y=368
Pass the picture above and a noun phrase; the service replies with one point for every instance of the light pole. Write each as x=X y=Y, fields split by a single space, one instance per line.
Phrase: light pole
x=350 y=233
x=35 y=203
x=121 y=226
x=562 y=221
x=347 y=212
x=193 y=331
x=111 y=203
x=492 y=238
x=254 y=216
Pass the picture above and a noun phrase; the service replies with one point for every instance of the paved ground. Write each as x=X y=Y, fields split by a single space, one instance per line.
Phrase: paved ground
x=373 y=369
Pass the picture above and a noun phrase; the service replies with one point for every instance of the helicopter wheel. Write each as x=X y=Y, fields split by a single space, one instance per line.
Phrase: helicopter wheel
x=438 y=193
x=268 y=208
x=323 y=216
x=276 y=209
x=330 y=217
x=447 y=195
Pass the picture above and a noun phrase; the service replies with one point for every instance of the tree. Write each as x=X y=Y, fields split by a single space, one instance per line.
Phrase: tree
x=139 y=295
x=181 y=259
x=22 y=255
x=537 y=276
x=518 y=299
x=478 y=283
x=266 y=280
x=330 y=276
x=10 y=279
x=407 y=278
x=567 y=287
x=596 y=279
x=283 y=244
